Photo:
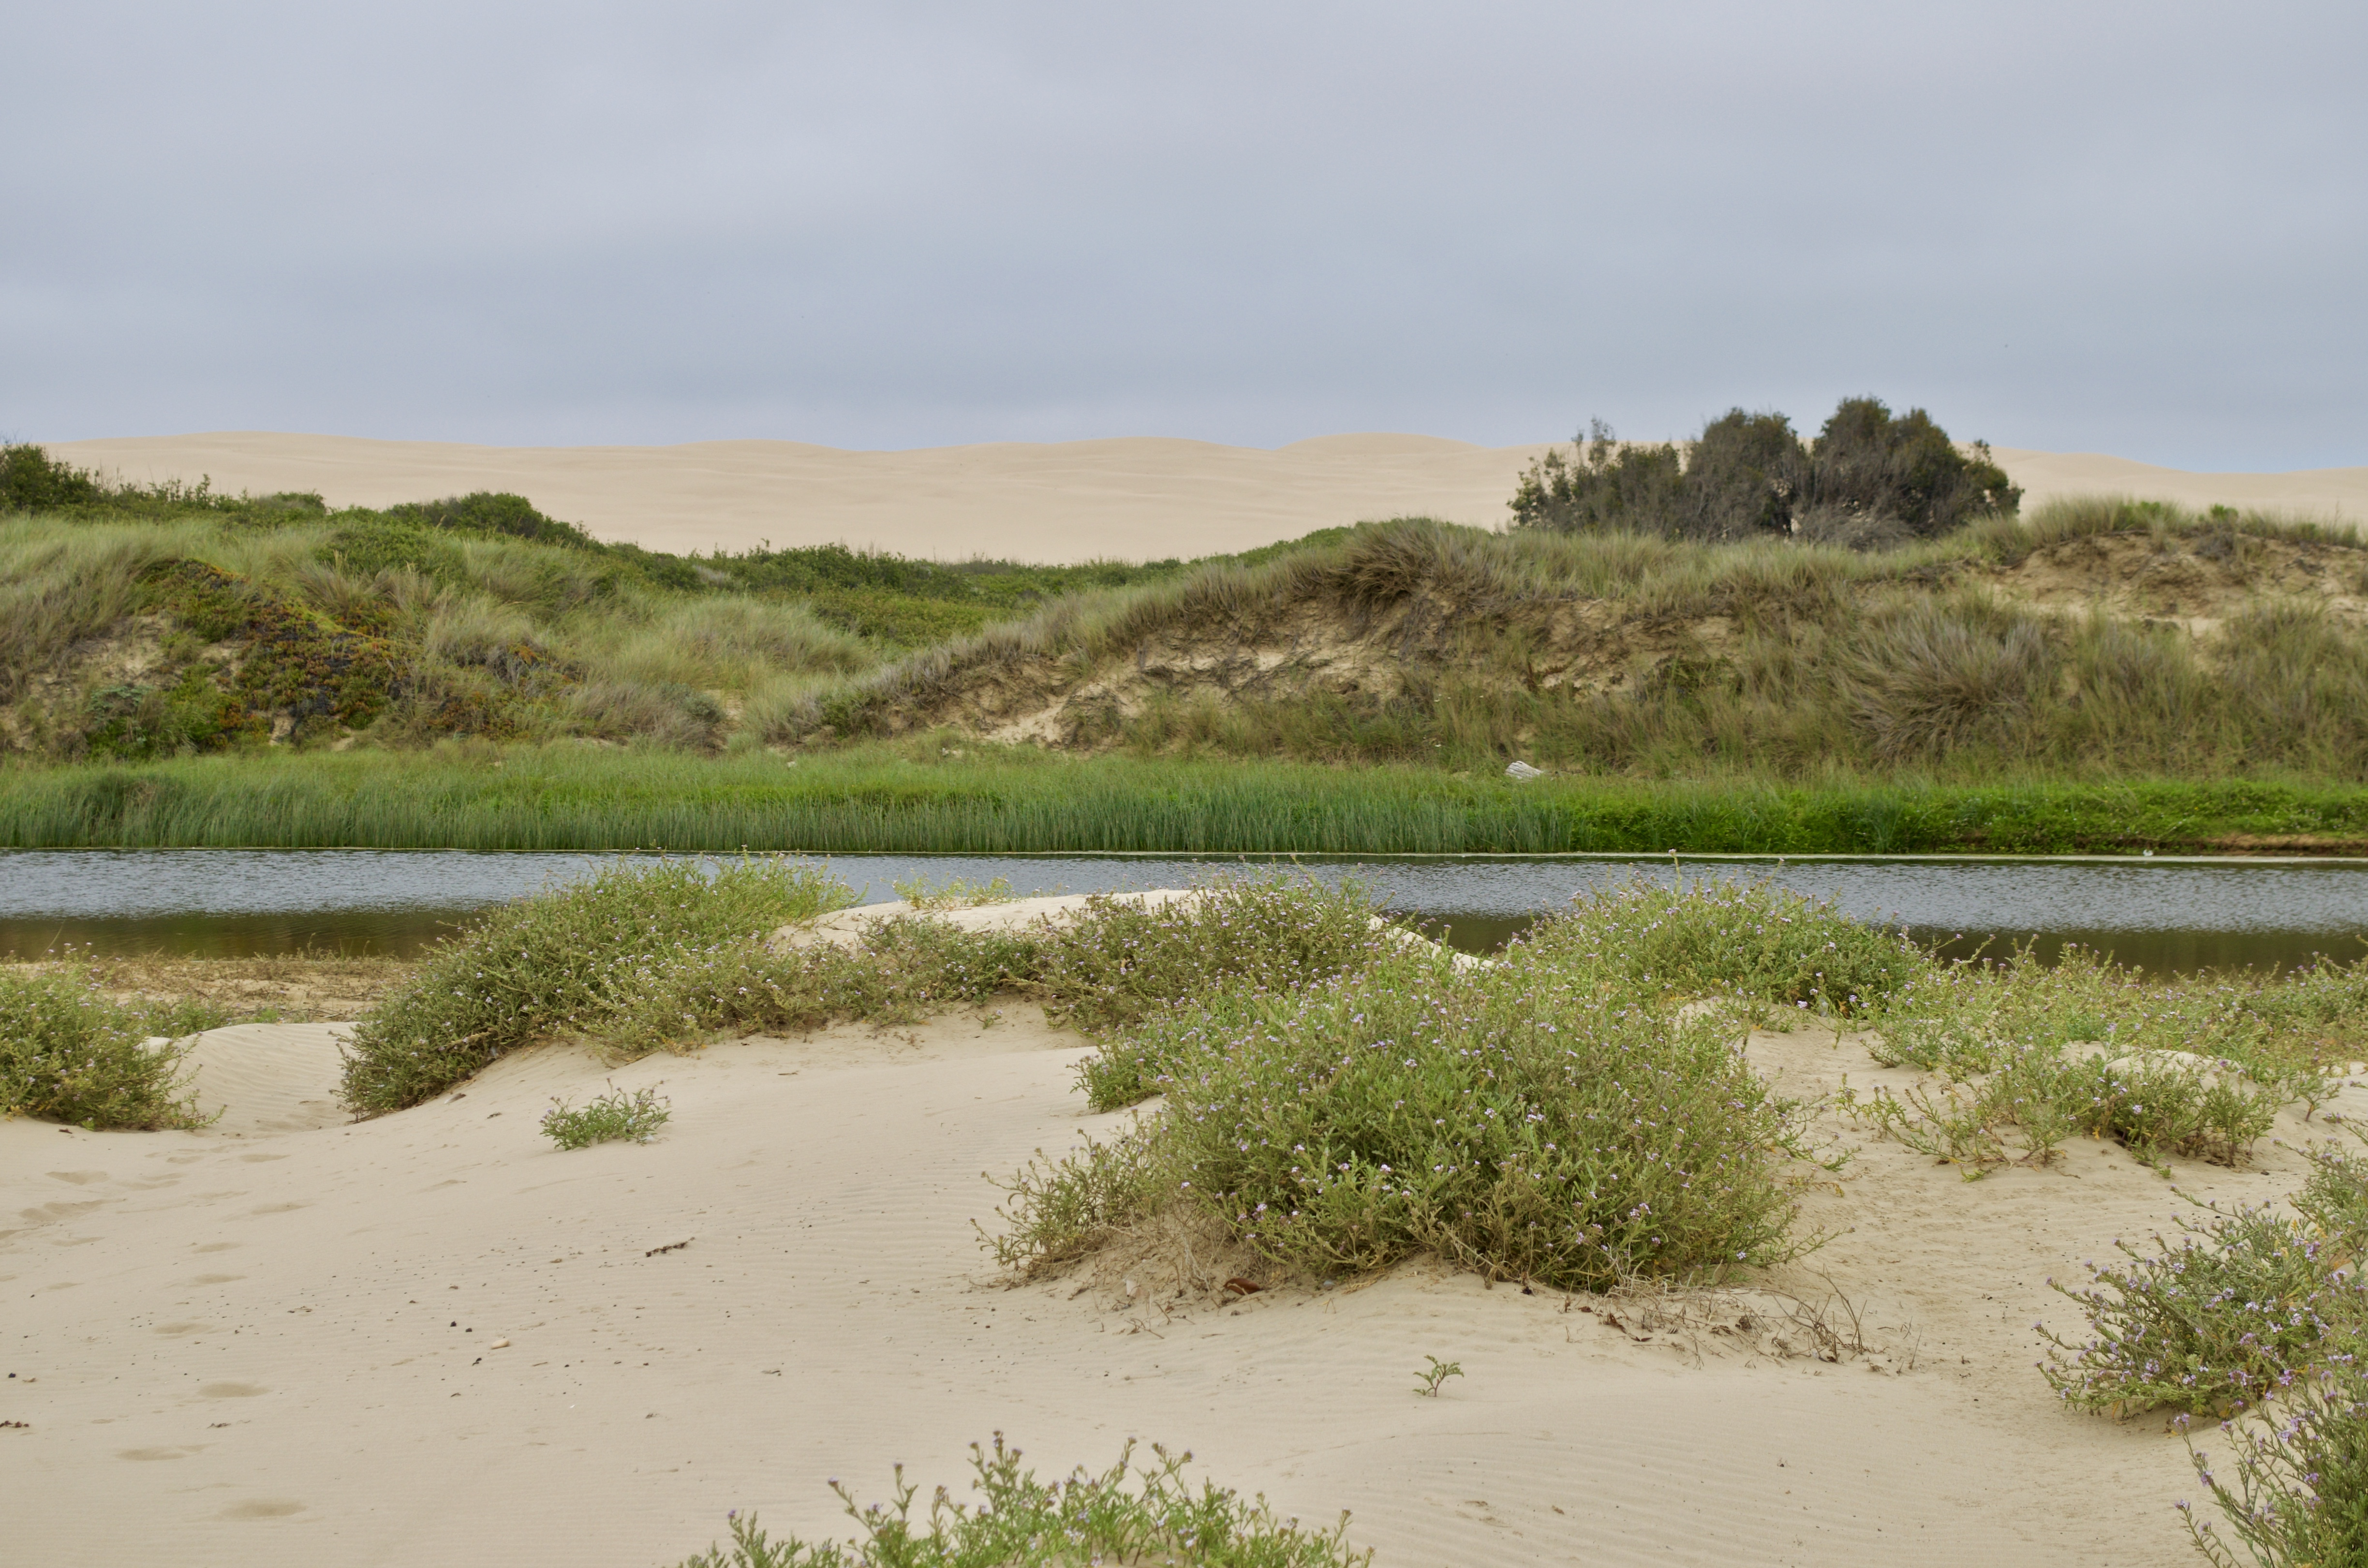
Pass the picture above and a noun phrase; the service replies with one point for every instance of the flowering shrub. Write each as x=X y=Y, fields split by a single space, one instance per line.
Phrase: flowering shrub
x=68 y=1053
x=1086 y=1519
x=2299 y=1498
x=2242 y=1307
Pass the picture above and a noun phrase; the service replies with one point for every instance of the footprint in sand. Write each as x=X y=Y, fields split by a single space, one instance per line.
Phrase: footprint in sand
x=261 y=1508
x=80 y=1178
x=159 y=1453
x=232 y=1390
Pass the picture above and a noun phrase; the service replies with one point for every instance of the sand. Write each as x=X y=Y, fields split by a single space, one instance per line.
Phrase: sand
x=277 y=1341
x=1132 y=499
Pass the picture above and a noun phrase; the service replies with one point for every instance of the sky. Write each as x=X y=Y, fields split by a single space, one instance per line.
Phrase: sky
x=2139 y=228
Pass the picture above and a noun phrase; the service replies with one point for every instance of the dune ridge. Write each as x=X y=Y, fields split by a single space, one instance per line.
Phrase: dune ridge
x=1132 y=498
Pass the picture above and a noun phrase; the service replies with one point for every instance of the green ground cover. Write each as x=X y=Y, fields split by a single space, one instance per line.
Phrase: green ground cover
x=918 y=798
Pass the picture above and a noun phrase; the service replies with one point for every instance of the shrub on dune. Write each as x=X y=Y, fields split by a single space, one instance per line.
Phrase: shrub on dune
x=68 y=1053
x=560 y=962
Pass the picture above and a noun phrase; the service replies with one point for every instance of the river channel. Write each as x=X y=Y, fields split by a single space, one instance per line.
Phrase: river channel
x=2163 y=915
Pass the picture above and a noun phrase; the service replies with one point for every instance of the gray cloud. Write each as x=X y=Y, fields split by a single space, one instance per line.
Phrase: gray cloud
x=2132 y=227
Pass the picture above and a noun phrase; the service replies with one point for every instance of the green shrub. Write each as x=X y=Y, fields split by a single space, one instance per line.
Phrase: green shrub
x=565 y=961
x=1022 y=1522
x=617 y=1115
x=901 y=969
x=1120 y=961
x=1868 y=463
x=1064 y=1209
x=1870 y=477
x=1511 y=1118
x=368 y=545
x=32 y=481
x=68 y=1053
x=1750 y=941
x=490 y=512
x=1113 y=962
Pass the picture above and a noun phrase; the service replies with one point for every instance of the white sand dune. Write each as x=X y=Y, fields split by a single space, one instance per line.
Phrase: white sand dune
x=1131 y=499
x=247 y=1346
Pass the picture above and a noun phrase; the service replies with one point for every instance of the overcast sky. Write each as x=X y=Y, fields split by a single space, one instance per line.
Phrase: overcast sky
x=2139 y=228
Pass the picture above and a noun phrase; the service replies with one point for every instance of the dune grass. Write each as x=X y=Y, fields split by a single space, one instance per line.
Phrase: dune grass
x=70 y=1053
x=920 y=796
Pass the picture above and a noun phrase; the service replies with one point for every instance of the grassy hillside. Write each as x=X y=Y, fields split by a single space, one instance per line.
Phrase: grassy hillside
x=166 y=621
x=177 y=667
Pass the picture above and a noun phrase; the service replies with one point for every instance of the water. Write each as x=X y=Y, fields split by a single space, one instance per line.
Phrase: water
x=2162 y=914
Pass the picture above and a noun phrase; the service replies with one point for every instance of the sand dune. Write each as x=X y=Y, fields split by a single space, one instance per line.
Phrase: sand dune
x=1132 y=499
x=257 y=1346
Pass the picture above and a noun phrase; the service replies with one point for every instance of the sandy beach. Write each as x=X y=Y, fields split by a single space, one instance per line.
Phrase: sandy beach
x=1137 y=499
x=433 y=1337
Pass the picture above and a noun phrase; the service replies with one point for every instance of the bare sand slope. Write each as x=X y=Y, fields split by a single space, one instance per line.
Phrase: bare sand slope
x=251 y=1346
x=1135 y=499
x=2328 y=495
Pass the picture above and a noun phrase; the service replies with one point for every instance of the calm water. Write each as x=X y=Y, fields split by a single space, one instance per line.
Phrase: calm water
x=2168 y=915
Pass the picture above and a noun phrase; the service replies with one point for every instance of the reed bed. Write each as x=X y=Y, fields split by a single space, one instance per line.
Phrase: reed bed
x=918 y=800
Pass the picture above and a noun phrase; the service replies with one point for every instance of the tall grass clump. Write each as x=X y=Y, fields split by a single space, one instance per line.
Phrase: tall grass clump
x=69 y=1053
x=552 y=963
x=1150 y=1515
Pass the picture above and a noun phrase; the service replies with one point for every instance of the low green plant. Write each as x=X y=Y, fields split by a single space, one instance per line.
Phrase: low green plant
x=633 y=1116
x=1065 y=1209
x=570 y=960
x=2196 y=1066
x=2298 y=1497
x=1427 y=1380
x=1022 y=1522
x=69 y=1053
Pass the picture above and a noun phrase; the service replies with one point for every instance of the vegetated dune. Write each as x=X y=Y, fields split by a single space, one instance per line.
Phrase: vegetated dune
x=1606 y=646
x=1138 y=499
x=433 y=1337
